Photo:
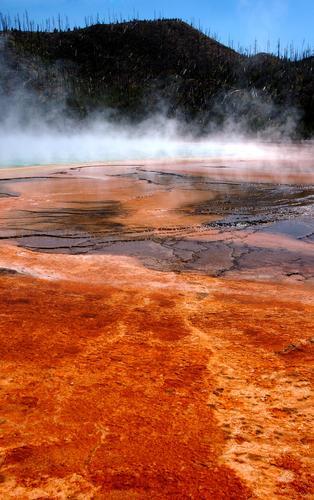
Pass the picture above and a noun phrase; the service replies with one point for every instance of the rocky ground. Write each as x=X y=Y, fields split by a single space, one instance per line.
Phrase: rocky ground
x=156 y=331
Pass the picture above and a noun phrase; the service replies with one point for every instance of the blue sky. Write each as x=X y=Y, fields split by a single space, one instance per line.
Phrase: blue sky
x=239 y=20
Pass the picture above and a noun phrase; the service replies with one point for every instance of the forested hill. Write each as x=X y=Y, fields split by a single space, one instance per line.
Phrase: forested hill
x=136 y=68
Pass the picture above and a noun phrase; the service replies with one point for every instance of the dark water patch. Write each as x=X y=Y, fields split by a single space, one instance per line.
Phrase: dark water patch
x=5 y=271
x=252 y=204
x=6 y=192
x=8 y=195
x=164 y=179
x=252 y=198
x=271 y=262
x=79 y=229
x=55 y=244
x=88 y=219
x=217 y=258
x=299 y=229
x=30 y=178
x=216 y=166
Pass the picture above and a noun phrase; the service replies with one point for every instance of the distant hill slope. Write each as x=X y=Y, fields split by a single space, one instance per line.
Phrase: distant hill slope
x=134 y=68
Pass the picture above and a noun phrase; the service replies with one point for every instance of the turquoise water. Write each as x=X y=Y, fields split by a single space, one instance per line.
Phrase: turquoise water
x=23 y=150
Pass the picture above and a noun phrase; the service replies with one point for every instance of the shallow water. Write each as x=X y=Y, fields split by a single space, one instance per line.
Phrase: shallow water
x=25 y=149
x=181 y=217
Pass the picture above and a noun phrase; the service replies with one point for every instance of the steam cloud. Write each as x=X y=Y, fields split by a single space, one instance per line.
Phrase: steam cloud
x=36 y=131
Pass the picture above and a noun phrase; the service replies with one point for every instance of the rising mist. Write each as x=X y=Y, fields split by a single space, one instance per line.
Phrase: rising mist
x=36 y=126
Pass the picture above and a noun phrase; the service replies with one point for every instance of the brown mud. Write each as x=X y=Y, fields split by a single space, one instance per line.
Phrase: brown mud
x=156 y=331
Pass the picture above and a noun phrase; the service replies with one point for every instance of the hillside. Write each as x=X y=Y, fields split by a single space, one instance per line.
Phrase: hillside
x=137 y=67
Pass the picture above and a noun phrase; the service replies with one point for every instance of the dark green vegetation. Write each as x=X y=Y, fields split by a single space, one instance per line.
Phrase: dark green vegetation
x=133 y=67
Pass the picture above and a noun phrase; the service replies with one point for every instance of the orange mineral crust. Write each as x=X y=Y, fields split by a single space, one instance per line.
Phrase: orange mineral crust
x=156 y=335
x=139 y=392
